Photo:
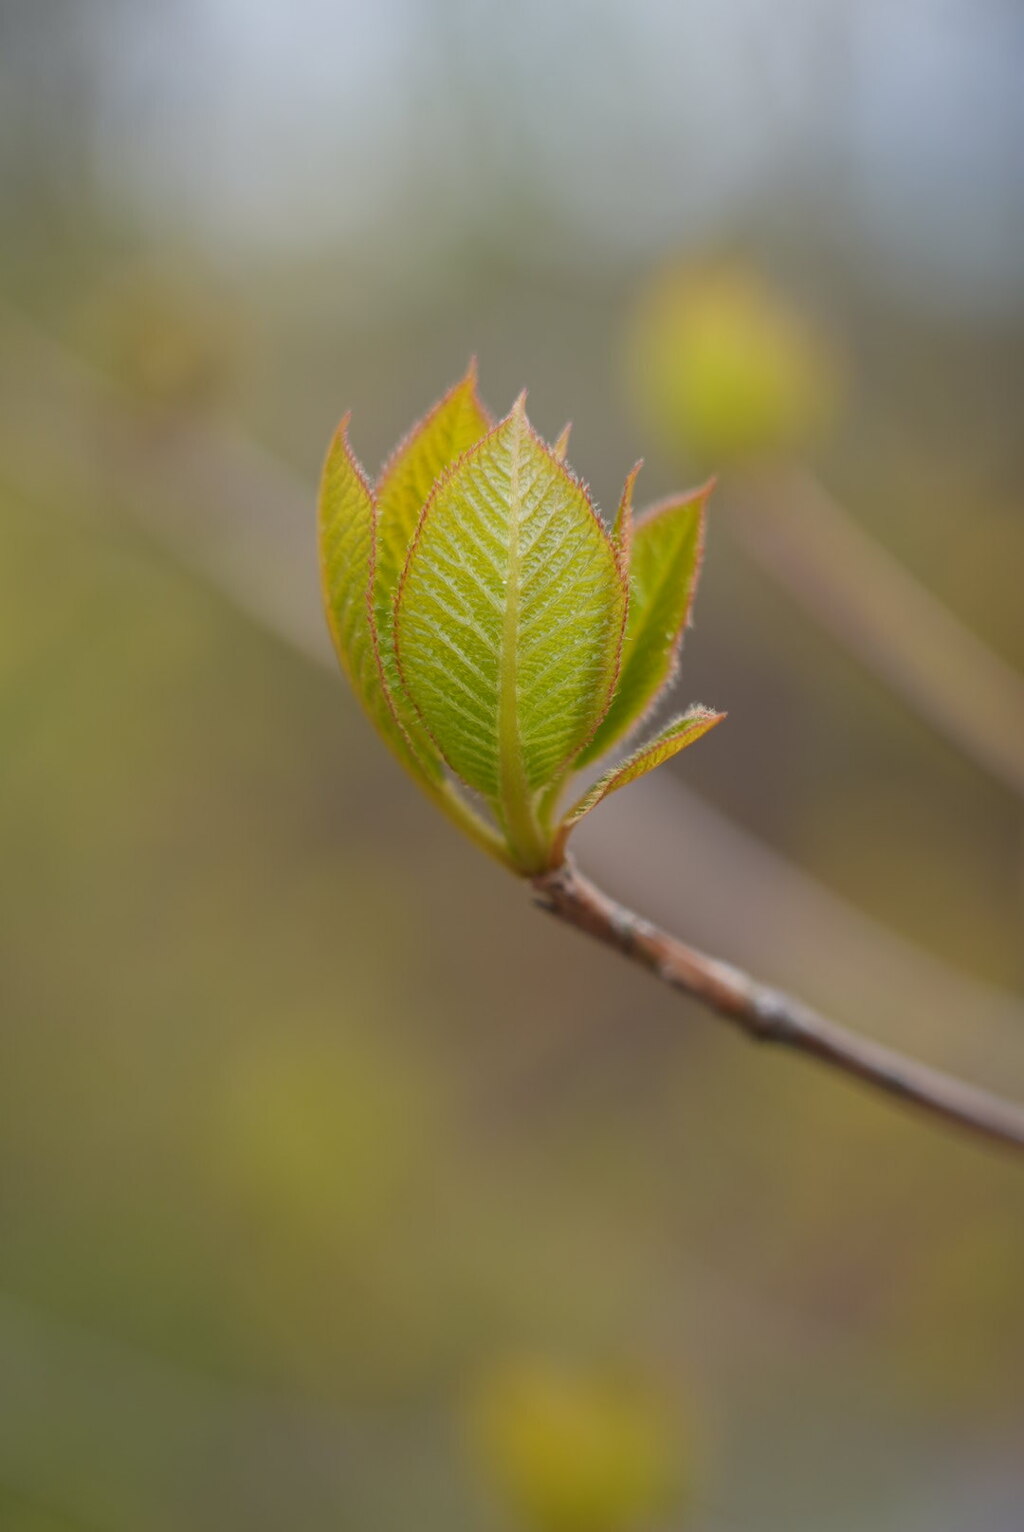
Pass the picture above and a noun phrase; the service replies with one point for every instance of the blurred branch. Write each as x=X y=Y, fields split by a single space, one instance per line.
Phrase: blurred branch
x=693 y=867
x=40 y=1508
x=234 y=514
x=768 y=1016
x=71 y=438
x=793 y=528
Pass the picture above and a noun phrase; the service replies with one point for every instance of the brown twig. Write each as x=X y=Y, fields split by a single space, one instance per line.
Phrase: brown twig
x=769 y=1016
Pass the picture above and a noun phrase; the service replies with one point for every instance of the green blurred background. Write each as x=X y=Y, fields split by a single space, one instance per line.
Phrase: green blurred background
x=338 y=1189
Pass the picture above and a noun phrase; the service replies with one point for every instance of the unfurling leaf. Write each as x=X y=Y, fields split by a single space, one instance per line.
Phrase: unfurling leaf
x=675 y=736
x=664 y=564
x=509 y=623
x=346 y=512
x=496 y=633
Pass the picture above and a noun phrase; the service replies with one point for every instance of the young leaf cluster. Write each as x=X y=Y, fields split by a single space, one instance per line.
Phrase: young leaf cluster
x=498 y=635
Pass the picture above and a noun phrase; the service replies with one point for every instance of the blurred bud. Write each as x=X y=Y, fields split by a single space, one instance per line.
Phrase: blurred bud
x=722 y=366
x=163 y=334
x=574 y=1452
x=321 y=1137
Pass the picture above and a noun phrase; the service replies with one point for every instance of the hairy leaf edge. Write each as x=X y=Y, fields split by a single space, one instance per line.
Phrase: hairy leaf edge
x=468 y=380
x=339 y=438
x=703 y=719
x=700 y=497
x=651 y=513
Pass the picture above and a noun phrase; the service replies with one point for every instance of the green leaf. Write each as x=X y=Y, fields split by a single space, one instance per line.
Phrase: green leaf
x=455 y=423
x=664 y=563
x=675 y=736
x=509 y=622
x=345 y=517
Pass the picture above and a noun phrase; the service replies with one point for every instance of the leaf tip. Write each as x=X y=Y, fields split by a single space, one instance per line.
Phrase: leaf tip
x=339 y=445
x=622 y=531
x=629 y=486
x=560 y=446
x=708 y=716
x=340 y=436
x=468 y=384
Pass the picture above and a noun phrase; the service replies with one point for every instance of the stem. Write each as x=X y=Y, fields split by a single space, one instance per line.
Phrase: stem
x=548 y=804
x=452 y=804
x=769 y=1016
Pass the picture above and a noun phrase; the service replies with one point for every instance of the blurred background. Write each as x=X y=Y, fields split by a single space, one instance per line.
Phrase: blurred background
x=338 y=1188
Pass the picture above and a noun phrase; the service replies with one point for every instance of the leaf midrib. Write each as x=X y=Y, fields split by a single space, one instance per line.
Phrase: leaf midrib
x=516 y=805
